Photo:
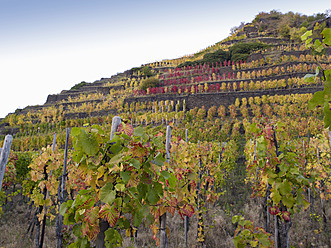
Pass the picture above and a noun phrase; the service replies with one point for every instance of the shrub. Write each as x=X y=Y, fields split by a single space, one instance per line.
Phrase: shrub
x=77 y=86
x=217 y=56
x=146 y=71
x=149 y=83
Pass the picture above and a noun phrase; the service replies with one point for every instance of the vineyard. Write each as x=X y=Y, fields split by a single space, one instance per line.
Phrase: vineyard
x=228 y=147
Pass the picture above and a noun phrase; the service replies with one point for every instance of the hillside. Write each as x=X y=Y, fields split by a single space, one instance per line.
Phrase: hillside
x=256 y=75
x=239 y=66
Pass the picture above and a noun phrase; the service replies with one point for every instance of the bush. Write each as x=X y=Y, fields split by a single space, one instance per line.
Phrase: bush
x=246 y=48
x=237 y=52
x=149 y=83
x=146 y=71
x=217 y=56
x=77 y=86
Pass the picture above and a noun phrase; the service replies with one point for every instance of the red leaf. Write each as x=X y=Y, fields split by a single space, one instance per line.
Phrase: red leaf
x=273 y=210
x=125 y=128
x=139 y=151
x=145 y=178
x=286 y=216
x=91 y=215
x=111 y=214
x=187 y=210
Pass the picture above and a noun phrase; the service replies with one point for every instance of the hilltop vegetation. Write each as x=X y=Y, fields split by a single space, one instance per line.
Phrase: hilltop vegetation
x=241 y=128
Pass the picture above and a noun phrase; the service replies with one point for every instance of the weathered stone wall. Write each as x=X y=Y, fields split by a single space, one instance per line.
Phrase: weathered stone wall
x=52 y=99
x=92 y=114
x=225 y=98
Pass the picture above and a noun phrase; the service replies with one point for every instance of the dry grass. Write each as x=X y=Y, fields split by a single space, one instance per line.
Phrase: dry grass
x=306 y=231
x=14 y=225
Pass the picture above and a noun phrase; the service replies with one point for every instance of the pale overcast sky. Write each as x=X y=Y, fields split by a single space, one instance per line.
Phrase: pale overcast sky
x=47 y=46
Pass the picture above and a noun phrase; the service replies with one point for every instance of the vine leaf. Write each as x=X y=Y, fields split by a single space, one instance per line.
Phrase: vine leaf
x=111 y=214
x=87 y=143
x=286 y=216
x=113 y=238
x=152 y=196
x=284 y=188
x=91 y=215
x=139 y=131
x=317 y=100
x=125 y=128
x=327 y=116
x=139 y=151
x=107 y=194
x=187 y=210
x=327 y=36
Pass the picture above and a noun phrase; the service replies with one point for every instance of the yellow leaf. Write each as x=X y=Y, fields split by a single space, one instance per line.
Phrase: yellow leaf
x=306 y=204
x=163 y=210
x=128 y=232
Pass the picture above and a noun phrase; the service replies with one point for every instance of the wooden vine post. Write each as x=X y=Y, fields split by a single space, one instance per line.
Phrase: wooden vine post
x=104 y=225
x=46 y=195
x=186 y=218
x=200 y=228
x=4 y=154
x=282 y=239
x=61 y=189
x=163 y=218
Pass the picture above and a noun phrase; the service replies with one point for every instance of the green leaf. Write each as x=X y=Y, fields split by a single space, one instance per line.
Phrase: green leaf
x=299 y=199
x=63 y=208
x=318 y=46
x=275 y=196
x=113 y=238
x=77 y=230
x=309 y=78
x=265 y=241
x=120 y=187
x=306 y=204
x=115 y=147
x=306 y=35
x=317 y=100
x=327 y=116
x=137 y=218
x=125 y=176
x=327 y=36
x=88 y=143
x=158 y=188
x=142 y=190
x=133 y=192
x=138 y=131
x=308 y=43
x=107 y=194
x=245 y=232
x=75 y=131
x=235 y=219
x=159 y=159
x=172 y=181
x=165 y=174
x=116 y=159
x=327 y=74
x=271 y=180
x=288 y=200
x=284 y=188
x=152 y=196
x=236 y=241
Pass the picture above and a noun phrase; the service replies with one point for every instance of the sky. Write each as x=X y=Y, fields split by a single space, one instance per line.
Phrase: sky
x=47 y=46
